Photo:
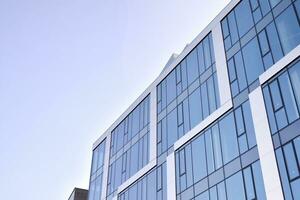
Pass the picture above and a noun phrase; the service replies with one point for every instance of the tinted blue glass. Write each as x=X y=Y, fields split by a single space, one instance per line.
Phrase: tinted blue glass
x=297 y=6
x=118 y=169
x=235 y=187
x=203 y=196
x=186 y=117
x=217 y=146
x=281 y=118
x=192 y=66
x=172 y=127
x=221 y=191
x=135 y=121
x=171 y=87
x=216 y=85
x=163 y=135
x=269 y=109
x=233 y=28
x=199 y=158
x=297 y=147
x=275 y=94
x=274 y=2
x=225 y=28
x=213 y=195
x=283 y=175
x=288 y=29
x=295 y=188
x=244 y=17
x=188 y=164
x=209 y=151
x=295 y=78
x=249 y=124
x=184 y=81
x=151 y=185
x=207 y=56
x=274 y=42
x=239 y=121
x=250 y=192
x=228 y=138
x=231 y=70
x=254 y=4
x=265 y=7
x=257 y=15
x=263 y=42
x=204 y=97
x=241 y=74
x=211 y=94
x=291 y=161
x=258 y=180
x=252 y=60
x=133 y=192
x=243 y=143
x=288 y=97
x=201 y=58
x=195 y=108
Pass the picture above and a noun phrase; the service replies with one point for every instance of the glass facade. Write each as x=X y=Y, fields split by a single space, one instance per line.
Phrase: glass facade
x=152 y=186
x=209 y=166
x=218 y=160
x=129 y=148
x=282 y=101
x=95 y=189
x=257 y=33
x=187 y=95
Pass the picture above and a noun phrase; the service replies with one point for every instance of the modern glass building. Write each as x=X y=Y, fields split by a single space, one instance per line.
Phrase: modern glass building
x=222 y=120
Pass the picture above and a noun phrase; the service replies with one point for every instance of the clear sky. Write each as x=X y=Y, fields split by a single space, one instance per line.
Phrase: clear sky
x=68 y=69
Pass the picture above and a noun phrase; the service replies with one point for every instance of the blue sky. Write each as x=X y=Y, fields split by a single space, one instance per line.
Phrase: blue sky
x=68 y=69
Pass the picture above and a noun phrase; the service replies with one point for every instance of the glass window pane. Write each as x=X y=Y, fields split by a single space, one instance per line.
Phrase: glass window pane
x=221 y=191
x=207 y=56
x=241 y=74
x=244 y=17
x=250 y=193
x=288 y=29
x=192 y=66
x=201 y=57
x=171 y=87
x=195 y=108
x=228 y=138
x=295 y=188
x=233 y=28
x=269 y=109
x=288 y=97
x=204 y=98
x=203 y=196
x=252 y=60
x=211 y=95
x=172 y=127
x=274 y=42
x=209 y=151
x=217 y=146
x=281 y=118
x=235 y=187
x=291 y=162
x=199 y=158
x=295 y=78
x=275 y=93
x=258 y=180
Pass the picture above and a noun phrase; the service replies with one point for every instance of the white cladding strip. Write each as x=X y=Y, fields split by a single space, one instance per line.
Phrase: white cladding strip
x=221 y=65
x=153 y=119
x=137 y=176
x=105 y=167
x=206 y=122
x=265 y=146
x=171 y=184
x=282 y=63
x=180 y=57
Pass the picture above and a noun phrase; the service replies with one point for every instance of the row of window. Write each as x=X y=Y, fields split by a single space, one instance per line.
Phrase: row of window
x=152 y=186
x=186 y=114
x=199 y=61
x=257 y=33
x=282 y=100
x=133 y=124
x=246 y=184
x=127 y=164
x=213 y=148
x=95 y=189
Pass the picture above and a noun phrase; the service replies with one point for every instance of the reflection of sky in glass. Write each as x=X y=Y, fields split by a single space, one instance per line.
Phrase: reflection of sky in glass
x=68 y=69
